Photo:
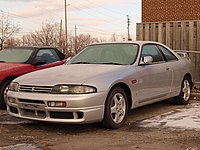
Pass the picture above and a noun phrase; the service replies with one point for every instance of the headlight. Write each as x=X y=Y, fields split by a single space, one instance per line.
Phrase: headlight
x=14 y=86
x=73 y=89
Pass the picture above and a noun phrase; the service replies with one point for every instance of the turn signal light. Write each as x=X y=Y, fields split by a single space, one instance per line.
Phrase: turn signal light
x=57 y=104
x=11 y=100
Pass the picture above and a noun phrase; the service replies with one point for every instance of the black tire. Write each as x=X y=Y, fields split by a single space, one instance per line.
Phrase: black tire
x=185 y=93
x=3 y=90
x=116 y=100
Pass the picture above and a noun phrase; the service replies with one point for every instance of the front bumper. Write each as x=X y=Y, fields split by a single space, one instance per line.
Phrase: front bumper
x=85 y=108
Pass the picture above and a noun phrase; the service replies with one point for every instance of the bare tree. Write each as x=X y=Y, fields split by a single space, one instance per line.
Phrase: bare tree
x=50 y=35
x=114 y=37
x=6 y=29
x=47 y=36
x=11 y=42
x=27 y=40
x=82 y=41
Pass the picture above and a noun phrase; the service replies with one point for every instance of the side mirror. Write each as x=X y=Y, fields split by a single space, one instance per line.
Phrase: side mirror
x=147 y=60
x=39 y=61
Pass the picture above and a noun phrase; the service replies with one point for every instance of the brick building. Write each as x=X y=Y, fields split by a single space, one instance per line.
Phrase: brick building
x=170 y=10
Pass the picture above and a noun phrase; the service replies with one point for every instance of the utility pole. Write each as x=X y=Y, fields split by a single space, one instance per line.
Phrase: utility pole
x=60 y=36
x=75 y=39
x=129 y=23
x=66 y=39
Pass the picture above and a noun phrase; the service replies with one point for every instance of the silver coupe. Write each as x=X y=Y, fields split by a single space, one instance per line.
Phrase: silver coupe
x=102 y=83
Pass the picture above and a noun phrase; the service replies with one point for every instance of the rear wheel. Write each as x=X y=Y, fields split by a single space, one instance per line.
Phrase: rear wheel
x=3 y=93
x=116 y=108
x=185 y=93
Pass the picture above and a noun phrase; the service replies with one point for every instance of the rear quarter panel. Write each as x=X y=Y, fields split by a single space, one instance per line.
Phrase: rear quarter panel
x=180 y=68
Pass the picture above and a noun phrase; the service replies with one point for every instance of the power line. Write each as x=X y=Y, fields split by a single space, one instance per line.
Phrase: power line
x=90 y=14
x=17 y=16
x=87 y=29
x=103 y=12
x=110 y=22
x=100 y=6
x=106 y=21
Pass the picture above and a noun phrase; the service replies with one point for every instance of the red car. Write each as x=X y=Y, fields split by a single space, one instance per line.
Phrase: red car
x=17 y=61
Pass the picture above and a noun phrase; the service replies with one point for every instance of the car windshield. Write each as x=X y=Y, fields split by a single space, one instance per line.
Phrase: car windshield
x=116 y=54
x=15 y=55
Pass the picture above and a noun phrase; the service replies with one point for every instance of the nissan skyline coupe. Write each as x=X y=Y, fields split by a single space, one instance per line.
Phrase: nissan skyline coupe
x=102 y=83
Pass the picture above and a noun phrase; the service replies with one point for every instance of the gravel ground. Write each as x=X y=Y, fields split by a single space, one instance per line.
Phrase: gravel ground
x=17 y=134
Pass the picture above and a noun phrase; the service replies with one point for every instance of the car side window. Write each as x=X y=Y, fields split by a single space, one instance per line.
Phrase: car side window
x=168 y=55
x=153 y=51
x=49 y=55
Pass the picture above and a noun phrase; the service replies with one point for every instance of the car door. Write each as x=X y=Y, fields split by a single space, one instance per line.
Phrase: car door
x=155 y=79
x=174 y=66
x=50 y=58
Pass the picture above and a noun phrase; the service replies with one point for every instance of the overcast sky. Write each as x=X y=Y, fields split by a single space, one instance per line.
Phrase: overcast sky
x=100 y=18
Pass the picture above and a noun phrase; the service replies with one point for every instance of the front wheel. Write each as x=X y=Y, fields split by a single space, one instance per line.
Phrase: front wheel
x=185 y=93
x=116 y=108
x=3 y=93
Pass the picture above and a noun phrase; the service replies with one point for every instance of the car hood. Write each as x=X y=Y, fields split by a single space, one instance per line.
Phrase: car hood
x=9 y=66
x=67 y=74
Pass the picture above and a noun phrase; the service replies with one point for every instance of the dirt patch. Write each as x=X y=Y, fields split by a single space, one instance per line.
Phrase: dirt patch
x=132 y=136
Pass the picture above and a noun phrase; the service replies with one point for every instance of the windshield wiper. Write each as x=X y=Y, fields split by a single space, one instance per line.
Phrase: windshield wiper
x=112 y=63
x=2 y=61
x=81 y=62
x=107 y=63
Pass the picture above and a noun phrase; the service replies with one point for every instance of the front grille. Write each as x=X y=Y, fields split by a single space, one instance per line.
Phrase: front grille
x=13 y=110
x=66 y=115
x=35 y=89
x=33 y=113
x=30 y=101
x=61 y=115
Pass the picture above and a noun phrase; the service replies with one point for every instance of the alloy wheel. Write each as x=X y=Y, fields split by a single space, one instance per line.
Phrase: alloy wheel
x=118 y=108
x=186 y=90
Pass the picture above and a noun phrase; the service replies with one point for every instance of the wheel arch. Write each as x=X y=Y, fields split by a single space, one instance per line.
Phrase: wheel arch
x=3 y=86
x=7 y=78
x=127 y=90
x=190 y=77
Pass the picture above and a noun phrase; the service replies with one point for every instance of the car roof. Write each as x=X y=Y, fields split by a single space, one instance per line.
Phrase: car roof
x=129 y=42
x=30 y=47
